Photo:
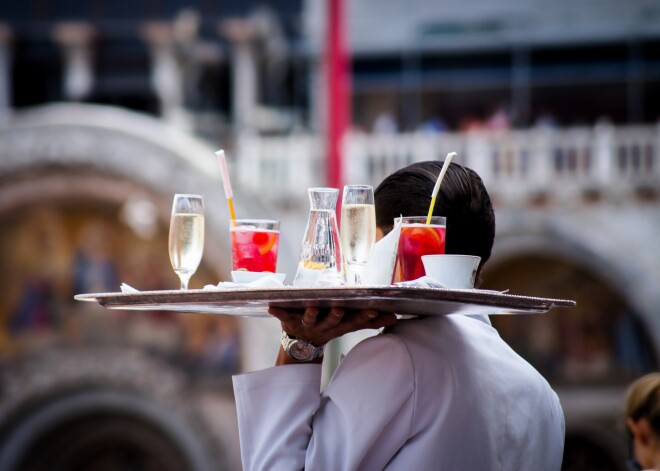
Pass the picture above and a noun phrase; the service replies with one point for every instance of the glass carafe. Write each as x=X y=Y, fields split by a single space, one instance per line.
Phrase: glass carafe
x=320 y=256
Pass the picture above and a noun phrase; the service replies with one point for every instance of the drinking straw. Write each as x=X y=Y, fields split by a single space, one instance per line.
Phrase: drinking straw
x=226 y=184
x=436 y=188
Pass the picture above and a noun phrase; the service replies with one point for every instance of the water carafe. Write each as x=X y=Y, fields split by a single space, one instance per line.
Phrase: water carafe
x=320 y=256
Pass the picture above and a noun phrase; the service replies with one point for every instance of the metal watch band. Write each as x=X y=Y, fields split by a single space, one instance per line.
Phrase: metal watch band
x=299 y=349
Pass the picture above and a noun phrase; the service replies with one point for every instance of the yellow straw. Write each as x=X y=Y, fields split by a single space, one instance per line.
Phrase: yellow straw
x=224 y=173
x=232 y=214
x=436 y=188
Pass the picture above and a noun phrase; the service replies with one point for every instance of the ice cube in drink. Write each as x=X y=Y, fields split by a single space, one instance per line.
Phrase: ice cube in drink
x=254 y=245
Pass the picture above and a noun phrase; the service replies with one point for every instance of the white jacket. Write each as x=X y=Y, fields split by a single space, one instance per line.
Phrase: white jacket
x=438 y=393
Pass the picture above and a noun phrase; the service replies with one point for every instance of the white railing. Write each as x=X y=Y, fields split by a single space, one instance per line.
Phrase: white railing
x=515 y=165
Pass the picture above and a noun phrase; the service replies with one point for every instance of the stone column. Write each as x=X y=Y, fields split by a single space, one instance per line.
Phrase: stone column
x=194 y=56
x=5 y=71
x=318 y=103
x=245 y=86
x=520 y=87
x=166 y=72
x=604 y=158
x=75 y=40
x=635 y=82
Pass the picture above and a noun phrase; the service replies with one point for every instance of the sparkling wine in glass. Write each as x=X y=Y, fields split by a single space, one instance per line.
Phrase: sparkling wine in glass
x=186 y=242
x=358 y=229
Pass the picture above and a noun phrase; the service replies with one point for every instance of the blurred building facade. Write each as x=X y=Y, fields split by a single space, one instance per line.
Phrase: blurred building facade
x=513 y=63
x=555 y=104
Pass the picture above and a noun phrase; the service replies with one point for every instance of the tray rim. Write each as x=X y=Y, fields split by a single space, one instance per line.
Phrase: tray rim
x=259 y=298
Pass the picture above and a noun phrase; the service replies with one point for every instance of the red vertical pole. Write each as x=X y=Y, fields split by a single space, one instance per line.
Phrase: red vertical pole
x=338 y=104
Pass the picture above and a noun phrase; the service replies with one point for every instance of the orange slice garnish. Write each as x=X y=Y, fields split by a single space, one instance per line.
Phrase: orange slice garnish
x=422 y=232
x=268 y=245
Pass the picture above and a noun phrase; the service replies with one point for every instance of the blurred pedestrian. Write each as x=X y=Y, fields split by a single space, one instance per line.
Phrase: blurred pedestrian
x=643 y=421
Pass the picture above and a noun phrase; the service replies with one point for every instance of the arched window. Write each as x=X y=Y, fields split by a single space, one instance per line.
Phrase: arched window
x=602 y=340
x=69 y=245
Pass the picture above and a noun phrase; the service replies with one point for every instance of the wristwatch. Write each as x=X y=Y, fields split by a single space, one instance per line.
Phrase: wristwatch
x=299 y=349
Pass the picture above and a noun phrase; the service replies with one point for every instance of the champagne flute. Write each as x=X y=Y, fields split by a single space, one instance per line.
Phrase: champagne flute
x=358 y=229
x=186 y=242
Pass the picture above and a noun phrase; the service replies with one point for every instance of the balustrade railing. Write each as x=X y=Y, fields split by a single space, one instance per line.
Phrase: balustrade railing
x=515 y=165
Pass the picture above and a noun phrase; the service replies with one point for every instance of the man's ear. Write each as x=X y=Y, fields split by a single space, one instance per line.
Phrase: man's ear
x=632 y=425
x=641 y=430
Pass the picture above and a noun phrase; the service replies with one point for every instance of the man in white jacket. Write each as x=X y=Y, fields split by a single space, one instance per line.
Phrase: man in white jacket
x=433 y=393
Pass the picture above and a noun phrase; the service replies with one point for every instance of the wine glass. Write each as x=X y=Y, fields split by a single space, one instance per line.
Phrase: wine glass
x=186 y=242
x=358 y=229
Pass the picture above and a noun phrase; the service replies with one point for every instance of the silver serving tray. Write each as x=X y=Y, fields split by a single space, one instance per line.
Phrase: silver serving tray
x=251 y=302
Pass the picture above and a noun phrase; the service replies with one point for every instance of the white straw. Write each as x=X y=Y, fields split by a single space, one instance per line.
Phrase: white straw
x=443 y=170
x=224 y=173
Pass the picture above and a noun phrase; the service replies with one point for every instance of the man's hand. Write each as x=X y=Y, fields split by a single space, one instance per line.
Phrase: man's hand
x=319 y=327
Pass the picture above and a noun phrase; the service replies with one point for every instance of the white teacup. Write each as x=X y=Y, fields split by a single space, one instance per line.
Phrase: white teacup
x=453 y=271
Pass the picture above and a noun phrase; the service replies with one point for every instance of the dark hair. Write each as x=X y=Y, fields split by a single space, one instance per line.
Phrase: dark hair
x=462 y=199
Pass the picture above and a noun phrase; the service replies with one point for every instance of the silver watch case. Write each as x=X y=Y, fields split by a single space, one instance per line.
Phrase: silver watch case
x=300 y=350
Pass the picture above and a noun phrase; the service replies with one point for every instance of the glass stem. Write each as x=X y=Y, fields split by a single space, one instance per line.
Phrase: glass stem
x=354 y=273
x=184 y=282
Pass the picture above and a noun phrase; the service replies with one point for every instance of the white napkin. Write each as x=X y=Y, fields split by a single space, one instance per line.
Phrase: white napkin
x=127 y=288
x=429 y=282
x=268 y=281
x=380 y=267
x=423 y=282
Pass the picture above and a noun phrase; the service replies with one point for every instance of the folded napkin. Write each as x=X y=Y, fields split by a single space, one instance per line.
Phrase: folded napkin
x=423 y=282
x=127 y=288
x=429 y=282
x=380 y=268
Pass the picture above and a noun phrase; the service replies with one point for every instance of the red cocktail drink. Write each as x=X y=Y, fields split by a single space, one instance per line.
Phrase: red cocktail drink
x=254 y=244
x=418 y=238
